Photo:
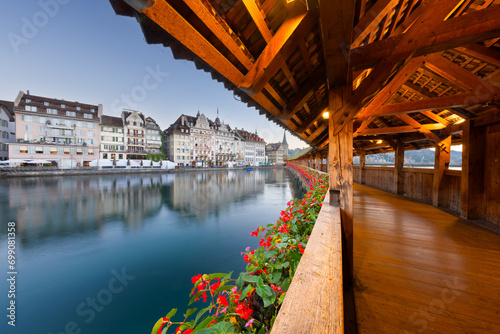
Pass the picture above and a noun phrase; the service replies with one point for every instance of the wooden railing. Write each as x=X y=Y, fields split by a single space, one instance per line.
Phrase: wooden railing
x=418 y=184
x=314 y=301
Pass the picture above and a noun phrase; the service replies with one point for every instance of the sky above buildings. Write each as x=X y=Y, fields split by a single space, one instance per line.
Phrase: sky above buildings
x=80 y=50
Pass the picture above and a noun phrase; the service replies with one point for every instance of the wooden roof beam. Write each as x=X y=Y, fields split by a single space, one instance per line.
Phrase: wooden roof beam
x=442 y=102
x=369 y=21
x=419 y=127
x=336 y=21
x=205 y=12
x=459 y=75
x=279 y=48
x=463 y=30
x=432 y=16
x=316 y=80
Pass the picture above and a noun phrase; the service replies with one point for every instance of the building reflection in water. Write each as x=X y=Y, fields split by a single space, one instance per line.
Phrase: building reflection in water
x=51 y=207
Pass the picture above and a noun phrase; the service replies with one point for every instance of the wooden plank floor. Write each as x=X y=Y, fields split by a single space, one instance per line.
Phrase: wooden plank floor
x=418 y=269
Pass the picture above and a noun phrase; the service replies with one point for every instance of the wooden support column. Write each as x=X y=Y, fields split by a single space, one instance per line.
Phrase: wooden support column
x=341 y=194
x=473 y=171
x=362 y=160
x=399 y=159
x=441 y=163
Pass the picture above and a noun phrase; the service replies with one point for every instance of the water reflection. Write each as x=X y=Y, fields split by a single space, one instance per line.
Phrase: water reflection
x=63 y=206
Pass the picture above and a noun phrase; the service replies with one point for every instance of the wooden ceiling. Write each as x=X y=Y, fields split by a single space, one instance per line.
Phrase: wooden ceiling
x=417 y=68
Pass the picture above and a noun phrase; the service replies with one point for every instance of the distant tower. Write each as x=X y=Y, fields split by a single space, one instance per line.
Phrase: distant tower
x=285 y=145
x=217 y=120
x=198 y=114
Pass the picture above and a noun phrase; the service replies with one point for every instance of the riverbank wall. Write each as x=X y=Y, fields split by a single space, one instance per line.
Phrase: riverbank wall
x=5 y=173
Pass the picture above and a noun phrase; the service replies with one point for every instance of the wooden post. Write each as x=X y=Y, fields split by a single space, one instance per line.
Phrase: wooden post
x=340 y=169
x=362 y=160
x=399 y=178
x=473 y=171
x=441 y=163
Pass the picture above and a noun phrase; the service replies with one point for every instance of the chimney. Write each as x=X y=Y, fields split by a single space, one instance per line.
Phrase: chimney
x=28 y=92
x=183 y=120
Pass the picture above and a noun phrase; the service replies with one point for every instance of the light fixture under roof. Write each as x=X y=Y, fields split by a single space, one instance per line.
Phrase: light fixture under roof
x=326 y=114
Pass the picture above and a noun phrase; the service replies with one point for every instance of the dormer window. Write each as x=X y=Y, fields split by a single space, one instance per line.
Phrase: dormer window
x=28 y=100
x=78 y=108
x=46 y=104
x=92 y=110
x=63 y=105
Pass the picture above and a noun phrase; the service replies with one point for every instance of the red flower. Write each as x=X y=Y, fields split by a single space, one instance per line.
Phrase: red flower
x=243 y=311
x=215 y=287
x=223 y=300
x=195 y=279
x=204 y=296
x=255 y=233
x=284 y=229
x=301 y=249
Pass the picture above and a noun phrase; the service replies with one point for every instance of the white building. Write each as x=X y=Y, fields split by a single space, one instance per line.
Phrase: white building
x=7 y=128
x=255 y=148
x=112 y=138
x=224 y=143
x=64 y=132
x=202 y=141
x=154 y=143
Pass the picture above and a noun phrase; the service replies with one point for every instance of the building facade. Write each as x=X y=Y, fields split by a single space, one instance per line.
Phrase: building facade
x=224 y=143
x=177 y=141
x=134 y=125
x=7 y=128
x=203 y=141
x=255 y=148
x=154 y=149
x=66 y=133
x=274 y=152
x=112 y=138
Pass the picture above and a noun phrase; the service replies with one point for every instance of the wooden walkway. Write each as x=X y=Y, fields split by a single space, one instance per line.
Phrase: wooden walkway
x=421 y=270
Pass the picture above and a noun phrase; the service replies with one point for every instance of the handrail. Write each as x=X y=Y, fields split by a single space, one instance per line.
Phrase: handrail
x=314 y=301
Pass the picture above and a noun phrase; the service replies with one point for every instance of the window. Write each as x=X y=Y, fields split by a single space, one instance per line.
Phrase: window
x=92 y=110
x=28 y=127
x=52 y=111
x=78 y=108
x=90 y=125
x=105 y=156
x=63 y=105
x=88 y=116
x=30 y=108
x=28 y=100
x=90 y=133
x=71 y=113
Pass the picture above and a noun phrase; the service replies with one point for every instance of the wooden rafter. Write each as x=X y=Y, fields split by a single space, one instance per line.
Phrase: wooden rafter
x=433 y=15
x=371 y=19
x=455 y=101
x=278 y=50
x=458 y=75
x=419 y=127
x=455 y=32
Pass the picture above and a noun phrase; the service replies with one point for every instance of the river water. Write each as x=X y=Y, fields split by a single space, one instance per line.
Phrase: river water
x=112 y=254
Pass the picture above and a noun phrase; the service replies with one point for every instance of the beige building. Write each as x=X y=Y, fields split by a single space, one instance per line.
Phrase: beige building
x=177 y=141
x=64 y=132
x=134 y=128
x=274 y=153
x=7 y=128
x=153 y=140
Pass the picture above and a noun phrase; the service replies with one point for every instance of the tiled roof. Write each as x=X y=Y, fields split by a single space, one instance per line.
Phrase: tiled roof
x=111 y=121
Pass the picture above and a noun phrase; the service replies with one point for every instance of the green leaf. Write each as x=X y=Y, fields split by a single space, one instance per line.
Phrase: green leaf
x=240 y=281
x=200 y=314
x=190 y=312
x=245 y=292
x=250 y=278
x=262 y=330
x=269 y=300
x=214 y=276
x=271 y=253
x=219 y=328
x=281 y=245
x=275 y=277
x=286 y=284
x=223 y=288
x=171 y=313
x=294 y=255
x=263 y=290
x=286 y=264
x=204 y=323
x=197 y=295
x=157 y=326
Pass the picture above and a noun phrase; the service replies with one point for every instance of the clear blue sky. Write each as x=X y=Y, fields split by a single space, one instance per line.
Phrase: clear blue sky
x=80 y=50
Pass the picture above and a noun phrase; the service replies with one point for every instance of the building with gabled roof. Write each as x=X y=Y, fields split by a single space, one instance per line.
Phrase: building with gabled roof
x=112 y=137
x=7 y=128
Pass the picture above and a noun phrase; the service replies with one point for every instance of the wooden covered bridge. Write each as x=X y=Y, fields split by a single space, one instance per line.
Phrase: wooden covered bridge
x=357 y=77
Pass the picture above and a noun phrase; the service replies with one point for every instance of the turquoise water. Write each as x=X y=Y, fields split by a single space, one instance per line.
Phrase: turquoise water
x=112 y=254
